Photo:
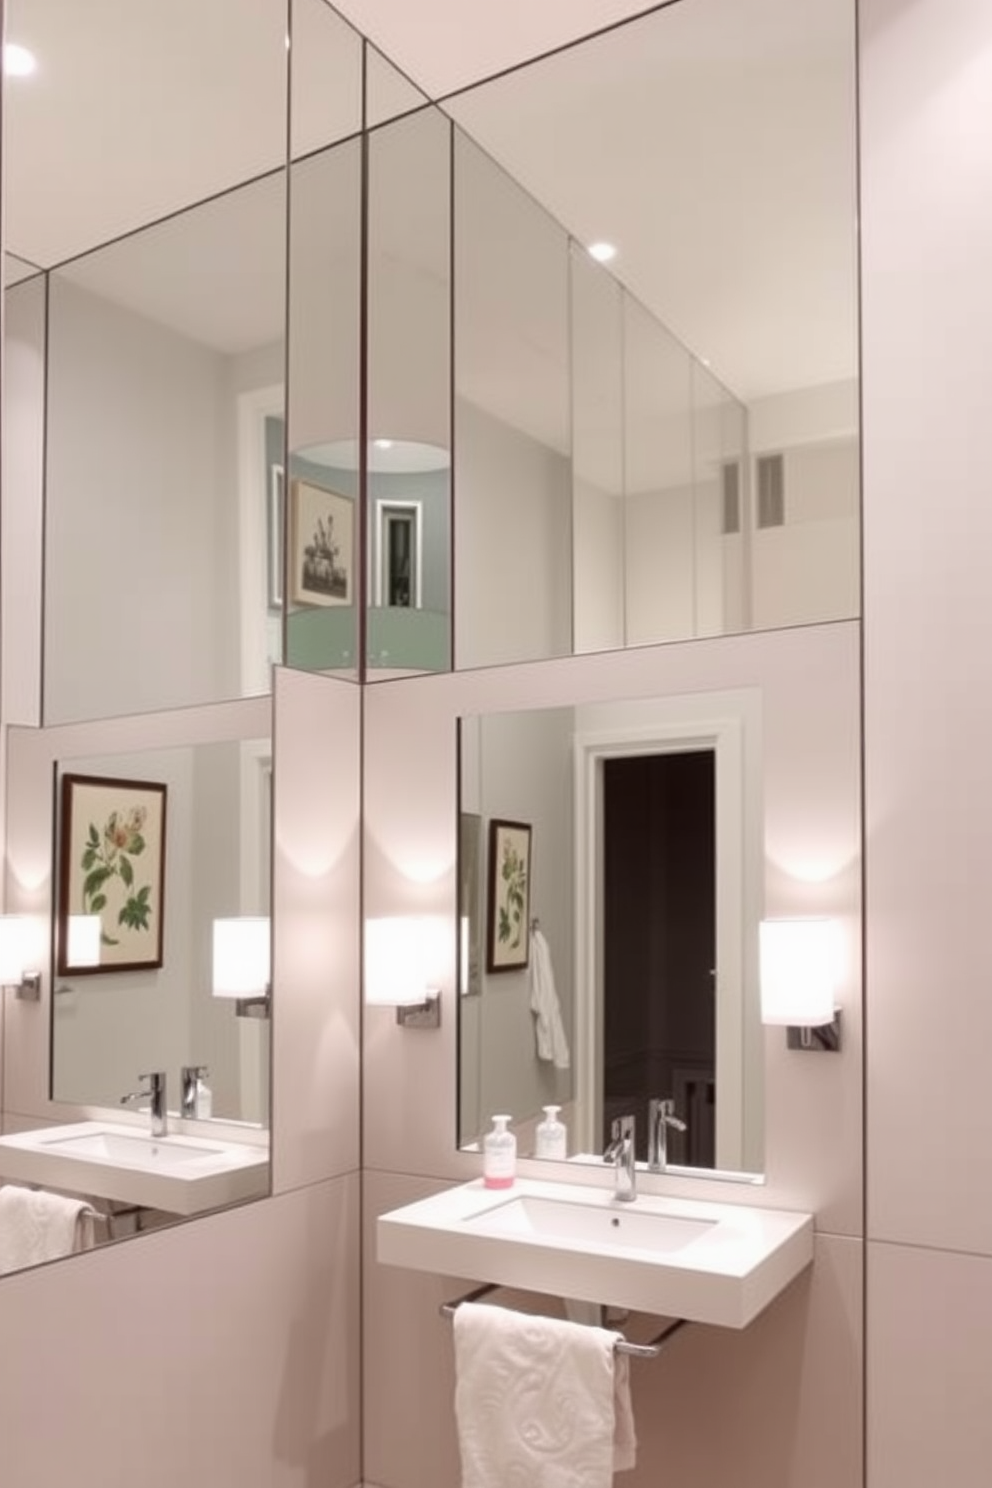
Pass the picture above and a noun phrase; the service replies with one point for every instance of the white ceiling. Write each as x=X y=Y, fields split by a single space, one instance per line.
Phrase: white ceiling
x=713 y=142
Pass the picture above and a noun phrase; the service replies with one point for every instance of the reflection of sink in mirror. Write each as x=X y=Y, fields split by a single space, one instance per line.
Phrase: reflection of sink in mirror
x=634 y=1229
x=174 y=1174
x=140 y=1151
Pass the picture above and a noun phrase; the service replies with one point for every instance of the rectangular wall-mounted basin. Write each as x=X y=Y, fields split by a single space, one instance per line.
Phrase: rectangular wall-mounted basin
x=706 y=1262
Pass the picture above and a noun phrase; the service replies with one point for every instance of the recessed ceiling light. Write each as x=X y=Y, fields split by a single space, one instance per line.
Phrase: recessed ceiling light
x=17 y=60
x=602 y=252
x=383 y=443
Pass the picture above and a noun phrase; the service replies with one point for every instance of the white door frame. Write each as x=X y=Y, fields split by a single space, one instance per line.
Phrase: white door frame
x=687 y=726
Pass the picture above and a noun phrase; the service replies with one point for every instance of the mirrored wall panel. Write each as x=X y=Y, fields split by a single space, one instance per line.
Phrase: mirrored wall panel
x=153 y=848
x=163 y=234
x=161 y=539
x=513 y=523
x=628 y=971
x=696 y=428
x=408 y=451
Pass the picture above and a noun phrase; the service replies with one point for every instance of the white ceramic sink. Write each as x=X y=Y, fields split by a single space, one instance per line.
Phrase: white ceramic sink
x=707 y=1262
x=622 y=1228
x=155 y=1152
x=175 y=1173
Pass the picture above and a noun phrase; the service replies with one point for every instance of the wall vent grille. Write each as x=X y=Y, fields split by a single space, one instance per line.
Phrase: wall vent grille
x=731 y=475
x=771 y=490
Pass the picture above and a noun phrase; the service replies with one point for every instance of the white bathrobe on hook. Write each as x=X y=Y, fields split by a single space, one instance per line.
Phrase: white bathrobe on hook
x=552 y=1045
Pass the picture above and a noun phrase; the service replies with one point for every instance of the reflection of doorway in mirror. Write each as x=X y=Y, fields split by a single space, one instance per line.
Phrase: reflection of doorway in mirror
x=659 y=946
x=398 y=543
x=737 y=1045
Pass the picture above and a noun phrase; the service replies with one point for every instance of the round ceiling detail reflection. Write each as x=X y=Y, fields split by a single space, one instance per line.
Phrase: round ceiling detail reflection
x=385 y=456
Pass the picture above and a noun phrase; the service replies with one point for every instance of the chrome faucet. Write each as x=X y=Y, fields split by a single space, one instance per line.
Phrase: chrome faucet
x=661 y=1116
x=154 y=1094
x=190 y=1075
x=621 y=1153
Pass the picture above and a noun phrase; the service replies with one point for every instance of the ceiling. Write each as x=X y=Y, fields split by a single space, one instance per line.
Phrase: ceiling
x=713 y=142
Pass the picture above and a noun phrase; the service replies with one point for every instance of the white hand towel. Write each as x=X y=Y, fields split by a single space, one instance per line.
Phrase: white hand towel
x=36 y=1226
x=552 y=1045
x=535 y=1401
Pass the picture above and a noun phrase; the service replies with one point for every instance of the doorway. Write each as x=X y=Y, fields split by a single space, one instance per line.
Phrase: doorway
x=715 y=738
x=659 y=946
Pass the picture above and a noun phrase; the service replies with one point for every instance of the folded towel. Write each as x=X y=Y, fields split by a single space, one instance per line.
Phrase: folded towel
x=552 y=1045
x=37 y=1226
x=538 y=1401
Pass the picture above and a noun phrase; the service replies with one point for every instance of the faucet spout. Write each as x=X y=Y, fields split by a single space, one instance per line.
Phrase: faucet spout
x=154 y=1094
x=620 y=1152
x=661 y=1117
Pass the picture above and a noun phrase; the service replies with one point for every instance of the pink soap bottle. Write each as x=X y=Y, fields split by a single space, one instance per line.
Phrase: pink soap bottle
x=499 y=1155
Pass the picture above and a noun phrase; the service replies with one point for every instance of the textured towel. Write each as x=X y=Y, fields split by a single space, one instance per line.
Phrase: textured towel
x=552 y=1045
x=36 y=1226
x=535 y=1401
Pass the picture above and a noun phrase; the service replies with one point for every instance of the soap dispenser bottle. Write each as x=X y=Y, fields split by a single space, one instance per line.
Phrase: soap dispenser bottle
x=204 y=1096
x=499 y=1155
x=551 y=1135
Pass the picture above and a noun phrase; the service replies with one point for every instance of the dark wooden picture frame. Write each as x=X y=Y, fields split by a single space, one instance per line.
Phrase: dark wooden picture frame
x=321 y=545
x=508 y=918
x=112 y=864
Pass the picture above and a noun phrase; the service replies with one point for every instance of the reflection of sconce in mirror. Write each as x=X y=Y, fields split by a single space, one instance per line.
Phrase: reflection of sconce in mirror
x=83 y=940
x=397 y=961
x=13 y=951
x=242 y=959
x=798 y=959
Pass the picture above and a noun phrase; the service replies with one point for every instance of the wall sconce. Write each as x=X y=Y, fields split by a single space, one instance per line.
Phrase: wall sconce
x=242 y=964
x=83 y=940
x=397 y=951
x=13 y=950
x=798 y=959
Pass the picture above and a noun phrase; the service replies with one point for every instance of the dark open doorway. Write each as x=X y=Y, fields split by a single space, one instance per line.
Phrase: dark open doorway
x=659 y=945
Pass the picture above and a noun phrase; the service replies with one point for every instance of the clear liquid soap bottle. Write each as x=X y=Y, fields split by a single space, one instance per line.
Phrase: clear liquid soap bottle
x=551 y=1137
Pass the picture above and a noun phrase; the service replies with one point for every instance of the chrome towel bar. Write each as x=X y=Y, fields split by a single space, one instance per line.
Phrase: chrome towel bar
x=633 y=1350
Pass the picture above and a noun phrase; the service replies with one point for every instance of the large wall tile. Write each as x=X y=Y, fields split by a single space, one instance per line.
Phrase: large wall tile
x=810 y=702
x=775 y=1406
x=316 y=964
x=927 y=243
x=928 y=1375
x=224 y=1351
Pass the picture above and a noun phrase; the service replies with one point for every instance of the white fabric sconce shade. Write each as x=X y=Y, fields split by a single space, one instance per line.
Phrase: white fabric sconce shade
x=398 y=956
x=83 y=940
x=242 y=963
x=13 y=954
x=797 y=972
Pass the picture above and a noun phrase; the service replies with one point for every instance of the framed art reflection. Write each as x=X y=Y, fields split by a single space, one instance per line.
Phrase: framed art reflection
x=111 y=874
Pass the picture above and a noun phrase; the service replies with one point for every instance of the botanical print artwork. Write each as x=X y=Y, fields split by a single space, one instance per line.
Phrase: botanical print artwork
x=112 y=865
x=322 y=545
x=110 y=854
x=509 y=895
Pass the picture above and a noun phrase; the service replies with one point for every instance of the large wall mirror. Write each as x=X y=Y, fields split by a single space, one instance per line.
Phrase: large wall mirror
x=667 y=446
x=134 y=1093
x=207 y=858
x=163 y=235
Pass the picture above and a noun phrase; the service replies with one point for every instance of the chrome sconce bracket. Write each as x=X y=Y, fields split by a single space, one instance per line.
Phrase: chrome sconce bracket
x=28 y=989
x=253 y=1007
x=426 y=1014
x=824 y=1038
